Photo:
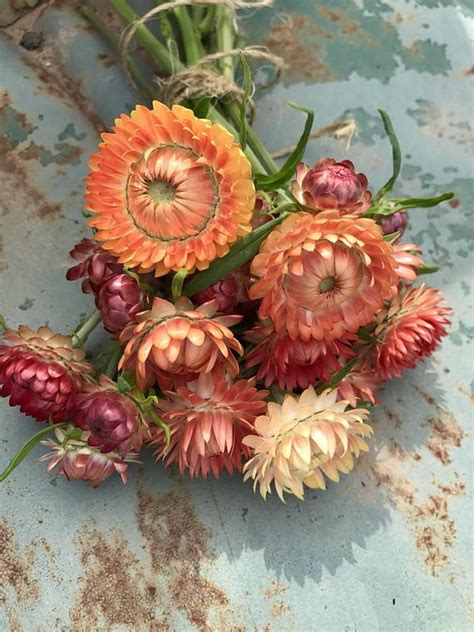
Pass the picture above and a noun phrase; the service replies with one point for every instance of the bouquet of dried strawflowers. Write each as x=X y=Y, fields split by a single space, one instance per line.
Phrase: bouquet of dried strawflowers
x=254 y=310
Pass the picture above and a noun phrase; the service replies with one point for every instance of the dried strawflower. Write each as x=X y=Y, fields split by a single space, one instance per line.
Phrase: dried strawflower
x=76 y=460
x=119 y=301
x=208 y=421
x=112 y=419
x=323 y=276
x=95 y=265
x=410 y=329
x=408 y=261
x=303 y=439
x=41 y=372
x=394 y=223
x=292 y=363
x=179 y=339
x=332 y=185
x=169 y=190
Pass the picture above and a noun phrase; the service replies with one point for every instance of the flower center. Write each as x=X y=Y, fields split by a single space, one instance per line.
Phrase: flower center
x=171 y=194
x=327 y=284
x=161 y=191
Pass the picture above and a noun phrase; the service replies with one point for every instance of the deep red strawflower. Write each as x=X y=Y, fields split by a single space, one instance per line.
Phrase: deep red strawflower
x=293 y=363
x=119 y=299
x=112 y=419
x=95 y=265
x=41 y=372
x=332 y=185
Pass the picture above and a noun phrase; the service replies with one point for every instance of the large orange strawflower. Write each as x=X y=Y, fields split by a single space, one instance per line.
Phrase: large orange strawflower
x=179 y=340
x=169 y=190
x=410 y=330
x=323 y=276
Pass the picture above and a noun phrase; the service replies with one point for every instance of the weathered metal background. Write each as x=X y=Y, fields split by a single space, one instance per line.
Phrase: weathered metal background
x=389 y=548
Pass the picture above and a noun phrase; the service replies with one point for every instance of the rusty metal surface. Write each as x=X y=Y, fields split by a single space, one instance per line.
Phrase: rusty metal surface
x=390 y=547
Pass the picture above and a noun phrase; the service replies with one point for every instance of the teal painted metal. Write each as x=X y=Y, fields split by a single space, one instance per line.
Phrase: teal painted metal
x=390 y=547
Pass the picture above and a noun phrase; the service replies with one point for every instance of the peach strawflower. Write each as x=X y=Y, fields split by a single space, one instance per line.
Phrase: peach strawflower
x=208 y=422
x=303 y=439
x=410 y=329
x=360 y=384
x=292 y=363
x=169 y=190
x=408 y=261
x=323 y=276
x=179 y=339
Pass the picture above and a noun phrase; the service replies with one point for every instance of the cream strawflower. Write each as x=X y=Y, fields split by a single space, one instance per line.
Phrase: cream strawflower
x=301 y=440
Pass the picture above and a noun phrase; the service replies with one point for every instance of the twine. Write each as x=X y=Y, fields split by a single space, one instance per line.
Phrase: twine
x=131 y=29
x=340 y=129
x=197 y=81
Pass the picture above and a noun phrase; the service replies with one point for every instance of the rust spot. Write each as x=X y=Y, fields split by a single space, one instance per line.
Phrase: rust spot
x=177 y=543
x=65 y=154
x=113 y=588
x=446 y=433
x=346 y=25
x=20 y=194
x=15 y=569
x=107 y=60
x=56 y=81
x=469 y=72
x=276 y=588
x=433 y=528
x=393 y=418
x=454 y=203
x=295 y=41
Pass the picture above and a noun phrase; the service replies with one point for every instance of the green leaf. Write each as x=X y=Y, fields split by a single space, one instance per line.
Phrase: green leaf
x=396 y=156
x=339 y=375
x=123 y=386
x=201 y=109
x=245 y=100
x=3 y=323
x=26 y=449
x=158 y=421
x=240 y=253
x=177 y=284
x=428 y=269
x=423 y=202
x=392 y=237
x=276 y=180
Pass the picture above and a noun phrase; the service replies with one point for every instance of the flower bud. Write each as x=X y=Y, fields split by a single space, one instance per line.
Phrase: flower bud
x=332 y=185
x=119 y=300
x=394 y=223
x=95 y=266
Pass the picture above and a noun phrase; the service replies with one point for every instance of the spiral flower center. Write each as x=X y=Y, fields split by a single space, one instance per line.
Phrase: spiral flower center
x=171 y=194
x=332 y=273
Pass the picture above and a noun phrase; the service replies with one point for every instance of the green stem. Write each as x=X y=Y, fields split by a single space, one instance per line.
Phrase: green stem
x=81 y=334
x=192 y=46
x=26 y=449
x=109 y=36
x=225 y=40
x=112 y=364
x=159 y=54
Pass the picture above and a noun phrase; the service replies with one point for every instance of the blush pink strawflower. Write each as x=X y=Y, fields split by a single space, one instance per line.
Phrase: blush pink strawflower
x=41 y=371
x=292 y=363
x=76 y=460
x=207 y=422
x=410 y=329
x=408 y=261
x=332 y=185
x=181 y=340
x=303 y=440
x=323 y=276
